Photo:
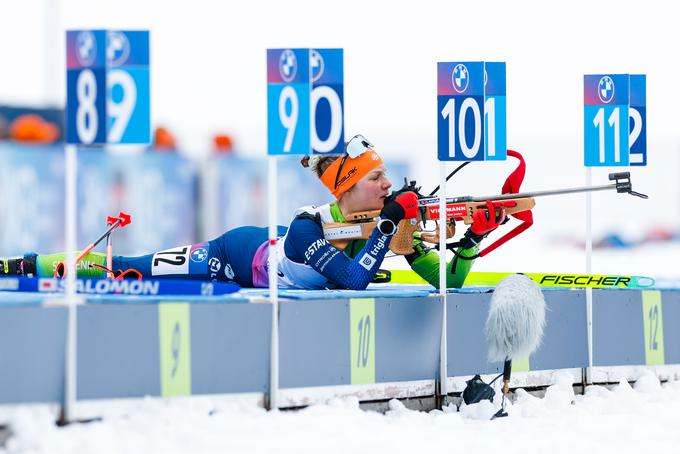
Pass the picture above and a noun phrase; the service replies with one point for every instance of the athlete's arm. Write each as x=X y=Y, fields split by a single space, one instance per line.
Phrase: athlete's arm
x=426 y=263
x=305 y=243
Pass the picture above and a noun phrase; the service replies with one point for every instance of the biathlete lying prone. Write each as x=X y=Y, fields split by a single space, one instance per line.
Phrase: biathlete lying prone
x=358 y=182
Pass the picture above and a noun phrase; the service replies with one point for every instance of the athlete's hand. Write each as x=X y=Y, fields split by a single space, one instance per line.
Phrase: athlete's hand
x=485 y=221
x=417 y=243
x=403 y=206
x=419 y=249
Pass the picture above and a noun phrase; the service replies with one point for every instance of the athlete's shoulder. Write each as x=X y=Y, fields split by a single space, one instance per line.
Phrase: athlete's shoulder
x=305 y=223
x=323 y=212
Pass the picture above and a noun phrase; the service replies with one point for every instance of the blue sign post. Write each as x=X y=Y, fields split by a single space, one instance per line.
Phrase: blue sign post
x=614 y=120
x=471 y=126
x=304 y=116
x=471 y=111
x=107 y=102
x=614 y=134
x=86 y=87
x=305 y=101
x=107 y=87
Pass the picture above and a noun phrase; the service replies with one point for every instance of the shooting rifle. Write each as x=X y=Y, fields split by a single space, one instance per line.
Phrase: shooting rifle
x=361 y=225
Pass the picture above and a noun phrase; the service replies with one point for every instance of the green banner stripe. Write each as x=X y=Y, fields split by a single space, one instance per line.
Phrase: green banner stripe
x=521 y=365
x=362 y=340
x=653 y=320
x=175 y=349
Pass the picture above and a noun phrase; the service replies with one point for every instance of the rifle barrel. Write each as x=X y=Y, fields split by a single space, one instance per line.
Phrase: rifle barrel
x=463 y=199
x=544 y=193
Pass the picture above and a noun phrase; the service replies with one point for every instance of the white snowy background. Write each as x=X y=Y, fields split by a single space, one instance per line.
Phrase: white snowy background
x=208 y=74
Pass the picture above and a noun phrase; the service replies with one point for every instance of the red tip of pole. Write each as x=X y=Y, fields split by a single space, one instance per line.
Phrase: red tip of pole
x=125 y=219
x=110 y=220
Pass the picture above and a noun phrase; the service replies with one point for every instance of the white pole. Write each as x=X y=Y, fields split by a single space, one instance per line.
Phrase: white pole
x=443 y=364
x=589 y=270
x=273 y=282
x=71 y=335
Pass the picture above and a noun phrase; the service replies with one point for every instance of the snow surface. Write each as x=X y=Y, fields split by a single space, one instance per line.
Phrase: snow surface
x=625 y=419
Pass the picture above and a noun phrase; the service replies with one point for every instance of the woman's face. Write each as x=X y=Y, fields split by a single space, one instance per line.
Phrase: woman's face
x=369 y=193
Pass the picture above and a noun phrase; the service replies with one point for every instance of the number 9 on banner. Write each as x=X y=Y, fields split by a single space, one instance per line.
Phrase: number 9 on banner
x=305 y=101
x=107 y=87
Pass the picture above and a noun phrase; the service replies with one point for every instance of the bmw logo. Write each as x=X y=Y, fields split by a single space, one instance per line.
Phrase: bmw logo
x=118 y=49
x=86 y=48
x=316 y=63
x=460 y=78
x=605 y=89
x=287 y=65
x=198 y=255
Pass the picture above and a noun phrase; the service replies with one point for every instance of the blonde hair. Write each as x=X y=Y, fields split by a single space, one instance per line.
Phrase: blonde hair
x=318 y=163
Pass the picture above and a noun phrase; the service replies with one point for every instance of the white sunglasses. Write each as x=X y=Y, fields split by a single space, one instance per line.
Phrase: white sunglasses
x=356 y=146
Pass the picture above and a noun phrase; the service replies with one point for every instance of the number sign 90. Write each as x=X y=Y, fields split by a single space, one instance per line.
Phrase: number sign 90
x=305 y=101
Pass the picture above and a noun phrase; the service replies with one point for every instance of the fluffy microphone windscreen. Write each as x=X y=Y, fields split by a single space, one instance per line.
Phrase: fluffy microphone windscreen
x=514 y=327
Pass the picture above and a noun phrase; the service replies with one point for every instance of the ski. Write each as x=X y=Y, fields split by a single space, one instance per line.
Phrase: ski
x=490 y=279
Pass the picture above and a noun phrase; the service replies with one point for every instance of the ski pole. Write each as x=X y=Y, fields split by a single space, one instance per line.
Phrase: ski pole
x=122 y=220
x=109 y=248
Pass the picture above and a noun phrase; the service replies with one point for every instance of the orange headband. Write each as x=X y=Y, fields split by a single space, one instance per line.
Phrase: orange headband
x=353 y=170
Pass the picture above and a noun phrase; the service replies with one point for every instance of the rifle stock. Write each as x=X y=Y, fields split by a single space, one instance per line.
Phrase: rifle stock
x=465 y=210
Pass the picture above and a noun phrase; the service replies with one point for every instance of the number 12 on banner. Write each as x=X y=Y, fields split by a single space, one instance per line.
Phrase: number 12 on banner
x=305 y=101
x=614 y=112
x=471 y=111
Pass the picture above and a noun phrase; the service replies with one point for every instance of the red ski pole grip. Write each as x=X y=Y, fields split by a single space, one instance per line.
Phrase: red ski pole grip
x=125 y=219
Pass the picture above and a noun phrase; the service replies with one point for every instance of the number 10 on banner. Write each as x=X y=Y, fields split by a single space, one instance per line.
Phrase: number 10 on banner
x=614 y=112
x=471 y=111
x=305 y=101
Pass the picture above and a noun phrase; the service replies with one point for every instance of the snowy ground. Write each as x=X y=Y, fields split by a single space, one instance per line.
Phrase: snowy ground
x=621 y=420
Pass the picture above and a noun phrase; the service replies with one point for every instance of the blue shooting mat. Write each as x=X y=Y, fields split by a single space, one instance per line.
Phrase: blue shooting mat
x=470 y=289
x=37 y=291
x=374 y=291
x=8 y=299
x=139 y=299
